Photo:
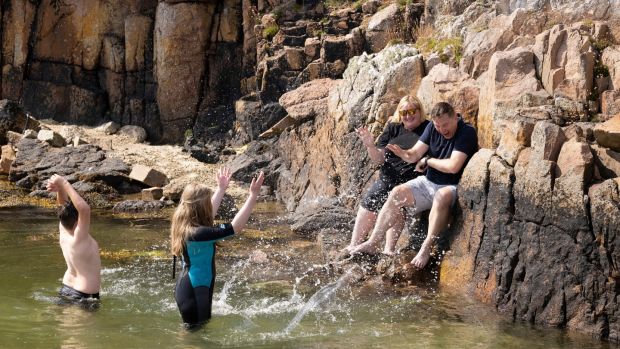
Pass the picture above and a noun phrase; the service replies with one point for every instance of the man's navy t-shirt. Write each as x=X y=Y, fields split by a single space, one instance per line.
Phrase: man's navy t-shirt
x=395 y=169
x=464 y=140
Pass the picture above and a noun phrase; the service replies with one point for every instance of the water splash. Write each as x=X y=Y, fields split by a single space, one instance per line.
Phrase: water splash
x=320 y=297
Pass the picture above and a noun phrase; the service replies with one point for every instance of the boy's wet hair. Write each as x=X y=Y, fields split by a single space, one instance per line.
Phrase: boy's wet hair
x=68 y=215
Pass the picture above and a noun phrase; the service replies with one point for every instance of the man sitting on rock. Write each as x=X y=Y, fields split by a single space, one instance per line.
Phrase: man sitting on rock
x=82 y=280
x=450 y=143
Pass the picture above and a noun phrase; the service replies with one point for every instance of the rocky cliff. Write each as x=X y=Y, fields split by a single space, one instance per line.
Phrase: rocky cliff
x=536 y=227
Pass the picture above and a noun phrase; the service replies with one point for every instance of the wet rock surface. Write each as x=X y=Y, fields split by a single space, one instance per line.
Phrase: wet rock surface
x=518 y=221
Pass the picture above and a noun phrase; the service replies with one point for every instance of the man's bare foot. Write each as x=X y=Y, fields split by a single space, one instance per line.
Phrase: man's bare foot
x=420 y=260
x=366 y=247
x=347 y=249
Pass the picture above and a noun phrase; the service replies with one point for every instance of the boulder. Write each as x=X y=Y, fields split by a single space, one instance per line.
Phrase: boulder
x=38 y=161
x=110 y=127
x=30 y=134
x=148 y=176
x=446 y=84
x=313 y=218
x=607 y=134
x=479 y=46
x=341 y=48
x=403 y=78
x=14 y=137
x=607 y=162
x=151 y=194
x=279 y=127
x=510 y=77
x=610 y=103
x=515 y=138
x=135 y=206
x=135 y=134
x=256 y=157
x=312 y=48
x=7 y=158
x=295 y=58
x=547 y=140
x=370 y=6
x=567 y=63
x=308 y=100
x=383 y=27
x=253 y=117
x=51 y=137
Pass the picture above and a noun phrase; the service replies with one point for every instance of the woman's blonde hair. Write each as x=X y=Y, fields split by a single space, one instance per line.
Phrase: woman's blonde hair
x=408 y=100
x=194 y=210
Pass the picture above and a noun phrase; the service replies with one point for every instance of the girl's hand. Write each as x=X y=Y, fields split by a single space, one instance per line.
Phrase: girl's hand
x=257 y=182
x=222 y=177
x=365 y=136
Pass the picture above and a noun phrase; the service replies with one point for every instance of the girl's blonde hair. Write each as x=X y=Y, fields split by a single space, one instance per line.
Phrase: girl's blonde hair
x=194 y=210
x=413 y=100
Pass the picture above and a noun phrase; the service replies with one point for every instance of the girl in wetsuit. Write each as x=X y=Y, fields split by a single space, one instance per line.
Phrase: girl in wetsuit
x=193 y=236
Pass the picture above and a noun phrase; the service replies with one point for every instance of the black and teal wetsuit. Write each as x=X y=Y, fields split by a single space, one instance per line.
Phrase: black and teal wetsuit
x=194 y=290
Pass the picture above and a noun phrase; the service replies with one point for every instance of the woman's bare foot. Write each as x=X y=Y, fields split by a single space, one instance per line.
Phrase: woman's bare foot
x=366 y=247
x=388 y=253
x=420 y=259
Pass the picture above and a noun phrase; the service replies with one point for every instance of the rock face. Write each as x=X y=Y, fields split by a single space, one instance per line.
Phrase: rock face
x=511 y=75
x=518 y=220
x=179 y=55
x=84 y=62
x=446 y=84
x=599 y=9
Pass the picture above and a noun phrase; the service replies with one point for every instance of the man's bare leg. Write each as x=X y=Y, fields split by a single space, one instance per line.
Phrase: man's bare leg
x=401 y=196
x=392 y=235
x=364 y=222
x=437 y=220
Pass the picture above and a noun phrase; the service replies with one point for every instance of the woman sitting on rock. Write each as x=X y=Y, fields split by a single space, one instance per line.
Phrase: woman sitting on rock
x=193 y=236
x=409 y=122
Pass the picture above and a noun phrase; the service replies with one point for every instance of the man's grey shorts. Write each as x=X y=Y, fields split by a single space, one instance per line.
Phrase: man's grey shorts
x=424 y=192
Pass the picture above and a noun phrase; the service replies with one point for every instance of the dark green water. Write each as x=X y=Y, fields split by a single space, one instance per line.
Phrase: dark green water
x=254 y=304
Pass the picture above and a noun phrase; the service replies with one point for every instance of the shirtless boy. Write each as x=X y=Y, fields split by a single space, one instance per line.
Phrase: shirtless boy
x=82 y=280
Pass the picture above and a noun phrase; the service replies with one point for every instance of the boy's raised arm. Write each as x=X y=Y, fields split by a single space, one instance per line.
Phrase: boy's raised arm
x=64 y=189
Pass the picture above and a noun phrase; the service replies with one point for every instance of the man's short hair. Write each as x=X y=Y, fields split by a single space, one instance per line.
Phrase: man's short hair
x=442 y=108
x=68 y=215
